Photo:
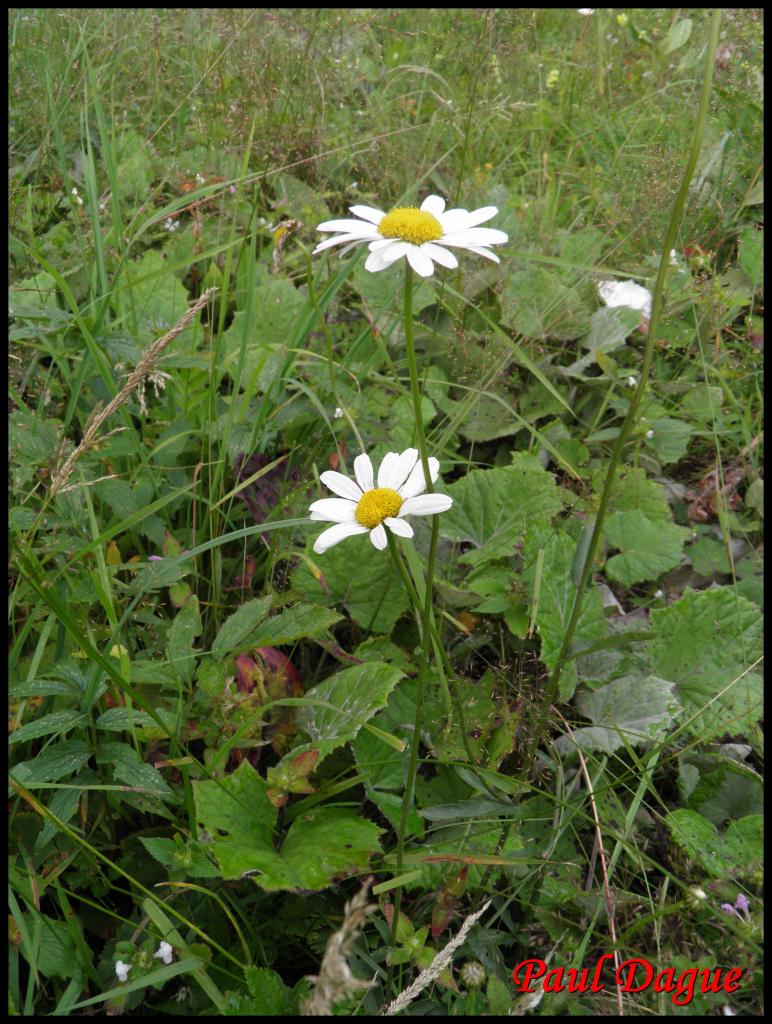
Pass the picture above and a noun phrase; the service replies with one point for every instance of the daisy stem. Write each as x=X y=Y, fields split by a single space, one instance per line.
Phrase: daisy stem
x=426 y=614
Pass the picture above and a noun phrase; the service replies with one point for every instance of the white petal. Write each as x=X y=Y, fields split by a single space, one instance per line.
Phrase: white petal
x=480 y=251
x=360 y=226
x=394 y=252
x=335 y=510
x=403 y=468
x=341 y=485
x=386 y=469
x=433 y=205
x=379 y=538
x=337 y=240
x=374 y=262
x=439 y=255
x=425 y=505
x=399 y=526
x=368 y=213
x=416 y=482
x=454 y=220
x=475 y=236
x=363 y=471
x=419 y=261
x=380 y=243
x=626 y=293
x=335 y=535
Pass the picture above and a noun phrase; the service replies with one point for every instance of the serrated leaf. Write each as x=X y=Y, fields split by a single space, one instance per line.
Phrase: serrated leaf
x=159 y=300
x=128 y=769
x=632 y=490
x=271 y=995
x=491 y=507
x=737 y=853
x=324 y=844
x=234 y=634
x=55 y=723
x=536 y=304
x=648 y=549
x=295 y=623
x=631 y=710
x=354 y=696
x=55 y=763
x=670 y=439
x=373 y=594
x=708 y=639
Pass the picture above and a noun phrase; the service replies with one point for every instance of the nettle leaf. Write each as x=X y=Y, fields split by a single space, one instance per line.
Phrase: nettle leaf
x=631 y=710
x=491 y=507
x=609 y=328
x=234 y=634
x=159 y=300
x=351 y=698
x=536 y=304
x=320 y=846
x=179 y=639
x=707 y=641
x=670 y=439
x=738 y=852
x=295 y=623
x=490 y=724
x=633 y=491
x=556 y=597
x=648 y=549
x=357 y=576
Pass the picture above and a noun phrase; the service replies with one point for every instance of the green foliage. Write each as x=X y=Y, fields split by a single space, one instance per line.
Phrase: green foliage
x=648 y=549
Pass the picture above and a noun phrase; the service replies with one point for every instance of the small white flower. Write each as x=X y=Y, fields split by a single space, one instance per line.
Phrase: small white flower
x=367 y=505
x=122 y=970
x=165 y=952
x=673 y=258
x=74 y=191
x=586 y=11
x=200 y=179
x=420 y=235
x=171 y=224
x=631 y=382
x=649 y=434
x=658 y=594
x=626 y=293
x=338 y=412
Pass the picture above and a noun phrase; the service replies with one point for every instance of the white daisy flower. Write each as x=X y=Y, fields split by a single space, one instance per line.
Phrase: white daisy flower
x=165 y=952
x=421 y=236
x=122 y=970
x=369 y=505
x=626 y=293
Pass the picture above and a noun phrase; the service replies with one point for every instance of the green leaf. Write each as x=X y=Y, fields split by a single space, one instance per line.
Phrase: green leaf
x=295 y=623
x=179 y=640
x=609 y=328
x=58 y=722
x=159 y=301
x=56 y=954
x=373 y=593
x=354 y=696
x=631 y=710
x=321 y=845
x=670 y=439
x=491 y=507
x=536 y=304
x=272 y=997
x=234 y=634
x=128 y=769
x=678 y=35
x=556 y=598
x=751 y=254
x=55 y=763
x=707 y=640
x=648 y=549
x=738 y=852
x=632 y=490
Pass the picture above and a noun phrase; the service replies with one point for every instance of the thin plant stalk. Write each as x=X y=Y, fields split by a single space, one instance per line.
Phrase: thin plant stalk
x=426 y=615
x=630 y=420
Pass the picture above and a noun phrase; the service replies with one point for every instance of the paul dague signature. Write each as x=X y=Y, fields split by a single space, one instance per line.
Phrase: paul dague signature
x=635 y=975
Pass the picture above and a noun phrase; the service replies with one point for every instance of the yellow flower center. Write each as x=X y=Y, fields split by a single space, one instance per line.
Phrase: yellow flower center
x=411 y=225
x=374 y=506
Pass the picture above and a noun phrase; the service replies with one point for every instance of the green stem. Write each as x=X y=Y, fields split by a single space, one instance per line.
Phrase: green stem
x=632 y=413
x=426 y=616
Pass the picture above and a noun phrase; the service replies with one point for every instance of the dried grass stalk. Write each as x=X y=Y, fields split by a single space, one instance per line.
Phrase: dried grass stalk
x=144 y=368
x=335 y=981
x=437 y=966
